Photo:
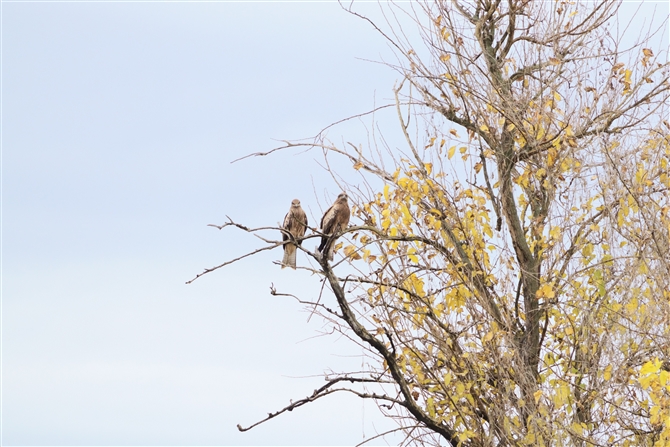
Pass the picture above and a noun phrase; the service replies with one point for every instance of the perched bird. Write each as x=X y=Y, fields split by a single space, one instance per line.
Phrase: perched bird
x=333 y=221
x=295 y=223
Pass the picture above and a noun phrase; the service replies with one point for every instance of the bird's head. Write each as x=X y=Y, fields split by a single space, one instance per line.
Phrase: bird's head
x=295 y=203
x=342 y=197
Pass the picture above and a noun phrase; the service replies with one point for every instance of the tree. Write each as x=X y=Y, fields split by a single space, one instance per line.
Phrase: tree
x=511 y=278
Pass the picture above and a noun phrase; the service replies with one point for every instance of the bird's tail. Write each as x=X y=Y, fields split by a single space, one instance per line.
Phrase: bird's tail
x=289 y=256
x=326 y=248
x=324 y=241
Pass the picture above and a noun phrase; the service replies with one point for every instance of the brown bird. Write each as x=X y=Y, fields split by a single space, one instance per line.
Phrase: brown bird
x=295 y=223
x=333 y=221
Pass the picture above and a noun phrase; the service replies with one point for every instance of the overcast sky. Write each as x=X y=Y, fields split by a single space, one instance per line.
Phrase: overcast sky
x=119 y=122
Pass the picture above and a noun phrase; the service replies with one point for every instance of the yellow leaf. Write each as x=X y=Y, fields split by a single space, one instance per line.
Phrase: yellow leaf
x=537 y=394
x=407 y=217
x=453 y=132
x=632 y=307
x=450 y=154
x=478 y=167
x=411 y=254
x=587 y=250
x=546 y=291
x=358 y=165
x=445 y=33
x=647 y=52
x=607 y=374
x=484 y=128
x=350 y=251
x=561 y=396
x=460 y=389
x=430 y=406
x=386 y=192
x=640 y=174
x=554 y=61
x=651 y=367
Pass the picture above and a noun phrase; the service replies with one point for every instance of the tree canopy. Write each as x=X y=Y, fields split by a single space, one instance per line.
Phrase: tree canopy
x=510 y=281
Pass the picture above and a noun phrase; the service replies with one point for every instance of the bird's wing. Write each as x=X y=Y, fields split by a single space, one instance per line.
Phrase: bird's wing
x=343 y=215
x=300 y=223
x=286 y=226
x=328 y=220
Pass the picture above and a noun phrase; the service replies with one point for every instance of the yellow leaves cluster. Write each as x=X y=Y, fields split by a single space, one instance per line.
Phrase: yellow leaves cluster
x=456 y=297
x=445 y=34
x=626 y=205
x=607 y=373
x=523 y=179
x=351 y=252
x=411 y=254
x=546 y=291
x=562 y=395
x=415 y=284
x=655 y=379
x=599 y=281
x=624 y=76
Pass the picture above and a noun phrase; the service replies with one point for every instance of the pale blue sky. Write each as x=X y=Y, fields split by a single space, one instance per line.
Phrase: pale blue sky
x=119 y=122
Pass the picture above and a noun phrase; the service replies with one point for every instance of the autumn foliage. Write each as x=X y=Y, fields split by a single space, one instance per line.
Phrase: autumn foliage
x=511 y=278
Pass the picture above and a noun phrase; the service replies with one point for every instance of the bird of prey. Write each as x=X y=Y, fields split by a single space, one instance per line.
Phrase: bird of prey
x=295 y=223
x=334 y=221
